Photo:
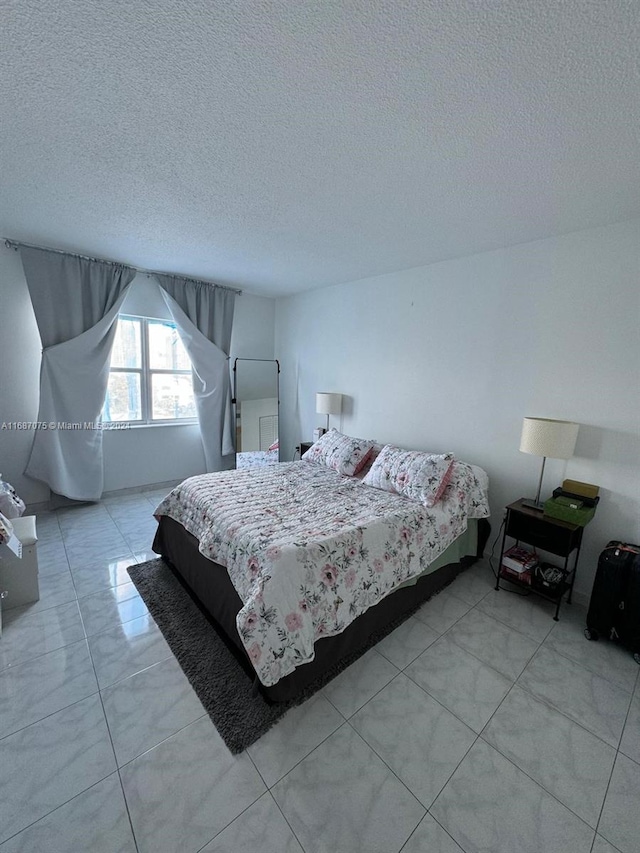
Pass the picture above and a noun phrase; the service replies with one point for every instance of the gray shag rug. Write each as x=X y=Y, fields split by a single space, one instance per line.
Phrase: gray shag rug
x=238 y=711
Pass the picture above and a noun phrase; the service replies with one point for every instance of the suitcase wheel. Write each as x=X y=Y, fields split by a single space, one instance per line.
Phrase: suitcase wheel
x=636 y=657
x=592 y=635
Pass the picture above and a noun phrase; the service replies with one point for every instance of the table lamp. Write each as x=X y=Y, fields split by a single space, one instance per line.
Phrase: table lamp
x=547 y=438
x=328 y=404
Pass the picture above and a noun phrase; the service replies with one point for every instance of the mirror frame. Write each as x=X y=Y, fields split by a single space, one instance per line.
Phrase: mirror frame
x=234 y=399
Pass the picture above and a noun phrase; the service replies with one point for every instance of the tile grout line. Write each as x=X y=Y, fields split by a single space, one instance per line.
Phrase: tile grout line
x=350 y=718
x=480 y=735
x=113 y=749
x=132 y=674
x=271 y=787
x=393 y=677
x=84 y=639
x=64 y=543
x=510 y=761
x=266 y=793
x=390 y=769
x=286 y=820
x=512 y=627
x=537 y=781
x=435 y=699
x=48 y=651
x=584 y=666
x=164 y=740
x=114 y=627
x=64 y=707
x=615 y=761
x=476 y=736
x=66 y=604
x=66 y=803
x=106 y=719
x=549 y=704
x=484 y=663
x=477 y=607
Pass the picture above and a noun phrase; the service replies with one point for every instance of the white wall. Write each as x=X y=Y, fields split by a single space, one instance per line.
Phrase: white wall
x=454 y=355
x=253 y=327
x=135 y=457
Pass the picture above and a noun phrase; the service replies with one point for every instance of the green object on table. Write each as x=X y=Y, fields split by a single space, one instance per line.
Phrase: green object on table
x=572 y=503
x=557 y=508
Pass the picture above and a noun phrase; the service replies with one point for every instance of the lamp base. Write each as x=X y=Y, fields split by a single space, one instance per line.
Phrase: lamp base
x=531 y=504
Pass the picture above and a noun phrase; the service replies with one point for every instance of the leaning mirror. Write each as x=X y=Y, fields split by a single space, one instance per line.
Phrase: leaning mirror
x=256 y=396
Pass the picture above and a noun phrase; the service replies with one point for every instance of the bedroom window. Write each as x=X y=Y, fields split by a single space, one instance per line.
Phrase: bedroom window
x=150 y=374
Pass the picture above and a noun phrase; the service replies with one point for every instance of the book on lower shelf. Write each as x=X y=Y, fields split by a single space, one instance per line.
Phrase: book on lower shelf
x=519 y=560
x=518 y=577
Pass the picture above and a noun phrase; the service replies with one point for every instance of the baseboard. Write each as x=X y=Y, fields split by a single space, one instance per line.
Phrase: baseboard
x=46 y=506
x=37 y=508
x=580 y=598
x=137 y=490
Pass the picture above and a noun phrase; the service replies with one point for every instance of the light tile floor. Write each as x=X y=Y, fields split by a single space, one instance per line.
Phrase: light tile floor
x=479 y=725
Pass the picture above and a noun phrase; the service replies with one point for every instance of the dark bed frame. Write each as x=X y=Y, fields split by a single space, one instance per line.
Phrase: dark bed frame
x=210 y=585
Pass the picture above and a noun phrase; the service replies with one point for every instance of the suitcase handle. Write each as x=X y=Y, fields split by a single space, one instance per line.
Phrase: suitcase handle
x=630 y=549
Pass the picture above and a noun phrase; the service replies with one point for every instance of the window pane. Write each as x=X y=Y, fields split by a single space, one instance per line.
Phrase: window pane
x=127 y=347
x=166 y=350
x=123 y=402
x=172 y=396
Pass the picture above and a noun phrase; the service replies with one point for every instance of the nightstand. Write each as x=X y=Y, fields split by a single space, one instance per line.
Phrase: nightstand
x=531 y=527
x=304 y=446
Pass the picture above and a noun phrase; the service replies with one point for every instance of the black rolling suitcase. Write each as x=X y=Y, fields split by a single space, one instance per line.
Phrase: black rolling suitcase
x=614 y=610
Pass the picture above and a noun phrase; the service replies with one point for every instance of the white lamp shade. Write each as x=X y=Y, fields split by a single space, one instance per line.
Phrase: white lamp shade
x=328 y=404
x=547 y=437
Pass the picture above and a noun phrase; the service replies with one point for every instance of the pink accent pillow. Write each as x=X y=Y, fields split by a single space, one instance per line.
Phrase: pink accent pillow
x=419 y=476
x=344 y=454
x=371 y=458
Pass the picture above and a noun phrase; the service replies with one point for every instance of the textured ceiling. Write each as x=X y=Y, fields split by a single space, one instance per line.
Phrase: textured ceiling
x=280 y=146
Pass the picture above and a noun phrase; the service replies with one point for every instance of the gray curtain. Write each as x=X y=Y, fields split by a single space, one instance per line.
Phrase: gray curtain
x=76 y=302
x=203 y=314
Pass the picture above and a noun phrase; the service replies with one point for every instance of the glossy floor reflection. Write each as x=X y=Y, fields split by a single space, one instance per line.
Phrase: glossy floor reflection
x=479 y=725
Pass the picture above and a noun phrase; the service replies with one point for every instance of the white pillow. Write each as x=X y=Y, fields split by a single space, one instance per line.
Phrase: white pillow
x=343 y=453
x=419 y=476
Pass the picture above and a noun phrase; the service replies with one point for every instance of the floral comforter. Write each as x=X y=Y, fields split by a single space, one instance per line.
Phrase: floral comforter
x=308 y=550
x=251 y=458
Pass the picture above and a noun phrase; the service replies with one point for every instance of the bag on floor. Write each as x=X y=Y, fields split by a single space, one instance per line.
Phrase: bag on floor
x=614 y=609
x=11 y=506
x=8 y=536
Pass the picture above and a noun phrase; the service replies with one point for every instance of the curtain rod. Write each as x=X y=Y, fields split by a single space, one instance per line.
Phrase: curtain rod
x=15 y=244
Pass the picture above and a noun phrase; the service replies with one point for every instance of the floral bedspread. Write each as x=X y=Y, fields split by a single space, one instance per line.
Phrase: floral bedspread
x=251 y=458
x=308 y=550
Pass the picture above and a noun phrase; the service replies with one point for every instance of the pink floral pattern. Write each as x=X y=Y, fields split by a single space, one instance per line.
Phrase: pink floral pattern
x=309 y=550
x=254 y=458
x=344 y=454
x=420 y=476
